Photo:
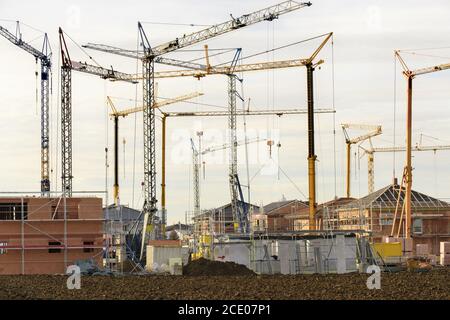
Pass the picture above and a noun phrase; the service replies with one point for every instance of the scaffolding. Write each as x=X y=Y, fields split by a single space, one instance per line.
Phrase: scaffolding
x=47 y=234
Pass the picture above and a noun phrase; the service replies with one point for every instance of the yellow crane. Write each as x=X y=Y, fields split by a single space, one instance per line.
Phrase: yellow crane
x=374 y=131
x=371 y=151
x=310 y=65
x=123 y=113
x=148 y=58
x=407 y=173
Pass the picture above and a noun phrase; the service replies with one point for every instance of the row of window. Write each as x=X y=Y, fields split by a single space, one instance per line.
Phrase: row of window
x=56 y=244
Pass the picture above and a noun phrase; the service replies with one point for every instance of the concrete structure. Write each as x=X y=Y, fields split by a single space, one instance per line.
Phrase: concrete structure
x=45 y=235
x=292 y=255
x=160 y=253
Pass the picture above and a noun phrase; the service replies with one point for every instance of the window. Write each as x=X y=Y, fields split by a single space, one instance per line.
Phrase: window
x=417 y=226
x=3 y=246
x=88 y=243
x=56 y=244
x=13 y=211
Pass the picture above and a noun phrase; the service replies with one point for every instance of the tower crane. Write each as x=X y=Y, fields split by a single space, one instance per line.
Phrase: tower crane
x=227 y=113
x=407 y=176
x=123 y=113
x=148 y=59
x=370 y=152
x=233 y=68
x=243 y=225
x=67 y=66
x=375 y=131
x=44 y=56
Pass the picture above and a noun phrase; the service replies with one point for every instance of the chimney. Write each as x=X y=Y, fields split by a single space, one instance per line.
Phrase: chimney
x=395 y=181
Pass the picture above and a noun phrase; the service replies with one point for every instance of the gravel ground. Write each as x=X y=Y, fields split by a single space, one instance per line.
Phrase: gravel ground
x=403 y=285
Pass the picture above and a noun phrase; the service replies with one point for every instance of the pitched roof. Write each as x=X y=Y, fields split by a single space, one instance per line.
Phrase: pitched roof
x=304 y=212
x=387 y=198
x=276 y=205
x=208 y=212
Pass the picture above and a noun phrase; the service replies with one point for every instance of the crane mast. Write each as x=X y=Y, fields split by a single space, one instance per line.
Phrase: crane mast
x=374 y=131
x=44 y=56
x=410 y=74
x=371 y=157
x=67 y=65
x=148 y=60
x=117 y=114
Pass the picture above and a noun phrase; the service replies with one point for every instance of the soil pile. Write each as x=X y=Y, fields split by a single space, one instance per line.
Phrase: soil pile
x=205 y=267
x=434 y=285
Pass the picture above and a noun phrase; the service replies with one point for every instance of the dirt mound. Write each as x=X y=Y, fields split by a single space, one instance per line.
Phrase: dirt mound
x=205 y=267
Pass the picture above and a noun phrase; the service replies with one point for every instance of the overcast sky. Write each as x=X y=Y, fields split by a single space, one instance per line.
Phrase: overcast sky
x=366 y=33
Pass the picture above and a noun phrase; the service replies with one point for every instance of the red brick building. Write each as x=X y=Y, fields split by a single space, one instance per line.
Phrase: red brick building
x=277 y=214
x=36 y=239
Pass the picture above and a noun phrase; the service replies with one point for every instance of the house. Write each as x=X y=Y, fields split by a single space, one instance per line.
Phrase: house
x=181 y=230
x=376 y=212
x=219 y=220
x=40 y=235
x=277 y=213
x=299 y=219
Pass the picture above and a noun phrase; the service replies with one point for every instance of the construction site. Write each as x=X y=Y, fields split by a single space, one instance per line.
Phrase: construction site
x=174 y=158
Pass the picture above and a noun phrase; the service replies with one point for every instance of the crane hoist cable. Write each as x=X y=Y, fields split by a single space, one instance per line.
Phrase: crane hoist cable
x=135 y=125
x=82 y=50
x=277 y=48
x=177 y=24
x=333 y=106
x=395 y=117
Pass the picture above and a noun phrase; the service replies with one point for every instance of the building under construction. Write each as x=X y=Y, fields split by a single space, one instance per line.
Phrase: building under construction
x=45 y=234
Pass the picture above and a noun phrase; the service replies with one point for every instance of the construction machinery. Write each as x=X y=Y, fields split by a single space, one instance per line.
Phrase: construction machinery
x=196 y=154
x=370 y=152
x=67 y=65
x=375 y=130
x=44 y=56
x=123 y=113
x=148 y=59
x=227 y=113
x=234 y=69
x=407 y=176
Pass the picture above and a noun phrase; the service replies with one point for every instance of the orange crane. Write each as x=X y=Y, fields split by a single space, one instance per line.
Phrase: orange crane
x=375 y=130
x=407 y=175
